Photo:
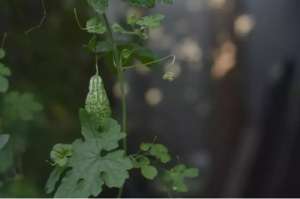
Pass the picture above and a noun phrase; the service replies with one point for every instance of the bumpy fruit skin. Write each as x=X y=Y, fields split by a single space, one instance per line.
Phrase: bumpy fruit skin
x=97 y=102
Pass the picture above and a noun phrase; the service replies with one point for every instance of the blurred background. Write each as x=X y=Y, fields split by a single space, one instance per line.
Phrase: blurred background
x=233 y=110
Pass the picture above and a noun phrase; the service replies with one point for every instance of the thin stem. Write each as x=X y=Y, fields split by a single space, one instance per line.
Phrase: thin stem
x=118 y=65
x=77 y=20
x=3 y=39
x=173 y=57
x=42 y=21
x=96 y=63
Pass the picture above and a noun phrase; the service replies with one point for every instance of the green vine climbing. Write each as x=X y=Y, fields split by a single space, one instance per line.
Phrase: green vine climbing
x=98 y=160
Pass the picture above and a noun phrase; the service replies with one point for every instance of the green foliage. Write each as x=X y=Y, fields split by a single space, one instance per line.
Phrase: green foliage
x=85 y=167
x=149 y=172
x=139 y=25
x=148 y=3
x=152 y=21
x=3 y=140
x=60 y=154
x=54 y=178
x=4 y=71
x=95 y=25
x=143 y=3
x=175 y=177
x=143 y=163
x=158 y=151
x=95 y=161
x=17 y=106
x=15 y=110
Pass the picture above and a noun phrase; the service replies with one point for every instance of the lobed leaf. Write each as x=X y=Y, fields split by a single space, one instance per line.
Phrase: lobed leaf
x=152 y=21
x=96 y=161
x=175 y=177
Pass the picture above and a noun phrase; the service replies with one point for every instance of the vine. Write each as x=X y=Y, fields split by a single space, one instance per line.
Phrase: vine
x=97 y=160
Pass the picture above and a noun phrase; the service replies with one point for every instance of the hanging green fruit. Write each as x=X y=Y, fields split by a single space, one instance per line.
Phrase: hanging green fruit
x=97 y=102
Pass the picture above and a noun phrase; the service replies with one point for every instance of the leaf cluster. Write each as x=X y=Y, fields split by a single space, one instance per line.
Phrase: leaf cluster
x=83 y=168
x=148 y=3
x=154 y=158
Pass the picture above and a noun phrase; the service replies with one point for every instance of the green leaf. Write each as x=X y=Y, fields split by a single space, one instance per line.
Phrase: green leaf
x=98 y=5
x=191 y=172
x=158 y=151
x=4 y=70
x=2 y=53
x=3 y=84
x=132 y=19
x=95 y=25
x=96 y=161
x=90 y=170
x=149 y=172
x=148 y=3
x=152 y=21
x=145 y=146
x=140 y=161
x=54 y=178
x=143 y=3
x=60 y=154
x=3 y=140
x=175 y=177
x=126 y=54
x=118 y=28
x=19 y=106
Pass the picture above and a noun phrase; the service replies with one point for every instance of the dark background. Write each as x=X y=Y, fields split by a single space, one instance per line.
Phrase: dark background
x=233 y=111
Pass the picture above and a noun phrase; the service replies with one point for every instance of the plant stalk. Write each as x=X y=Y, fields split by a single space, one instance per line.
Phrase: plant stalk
x=121 y=80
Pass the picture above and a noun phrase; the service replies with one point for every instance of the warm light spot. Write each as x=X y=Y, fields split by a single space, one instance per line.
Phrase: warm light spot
x=153 y=96
x=243 y=25
x=216 y=4
x=189 y=50
x=224 y=60
x=117 y=90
